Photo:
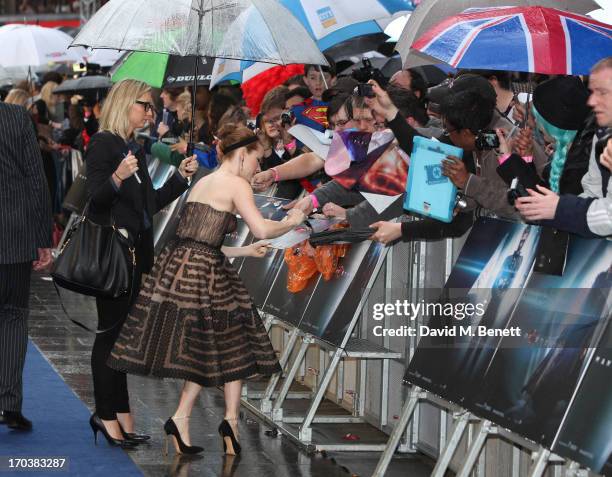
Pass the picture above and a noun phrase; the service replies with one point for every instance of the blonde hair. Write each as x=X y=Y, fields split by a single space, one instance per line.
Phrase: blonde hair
x=17 y=96
x=46 y=94
x=116 y=109
x=184 y=101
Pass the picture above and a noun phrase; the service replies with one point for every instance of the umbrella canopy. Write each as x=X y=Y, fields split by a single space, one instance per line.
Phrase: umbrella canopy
x=31 y=45
x=235 y=29
x=84 y=84
x=330 y=23
x=105 y=58
x=239 y=29
x=431 y=12
x=159 y=70
x=529 y=39
x=334 y=26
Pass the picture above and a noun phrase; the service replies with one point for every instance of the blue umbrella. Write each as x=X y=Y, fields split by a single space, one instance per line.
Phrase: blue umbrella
x=341 y=20
x=328 y=23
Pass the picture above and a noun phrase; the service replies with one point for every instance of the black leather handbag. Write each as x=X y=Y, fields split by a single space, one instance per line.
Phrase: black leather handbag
x=76 y=197
x=95 y=260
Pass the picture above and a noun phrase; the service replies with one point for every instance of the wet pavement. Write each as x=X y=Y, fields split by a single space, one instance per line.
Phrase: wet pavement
x=67 y=347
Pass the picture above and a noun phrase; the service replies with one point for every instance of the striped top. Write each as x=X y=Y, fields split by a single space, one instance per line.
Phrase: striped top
x=25 y=204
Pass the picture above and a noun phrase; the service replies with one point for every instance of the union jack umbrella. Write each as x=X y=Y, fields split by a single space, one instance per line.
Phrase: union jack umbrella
x=530 y=39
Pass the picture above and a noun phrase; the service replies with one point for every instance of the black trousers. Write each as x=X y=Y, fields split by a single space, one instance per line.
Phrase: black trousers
x=14 y=298
x=110 y=386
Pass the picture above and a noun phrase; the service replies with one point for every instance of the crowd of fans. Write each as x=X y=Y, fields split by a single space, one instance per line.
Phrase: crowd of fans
x=548 y=143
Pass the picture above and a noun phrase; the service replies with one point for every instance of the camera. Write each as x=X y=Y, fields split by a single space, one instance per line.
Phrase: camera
x=364 y=89
x=460 y=201
x=287 y=118
x=516 y=190
x=368 y=72
x=486 y=140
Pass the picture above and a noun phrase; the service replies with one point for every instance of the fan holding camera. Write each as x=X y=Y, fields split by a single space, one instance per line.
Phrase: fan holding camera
x=470 y=121
x=590 y=213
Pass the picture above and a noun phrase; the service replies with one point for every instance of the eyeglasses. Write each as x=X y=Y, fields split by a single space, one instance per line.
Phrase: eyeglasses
x=445 y=130
x=146 y=105
x=340 y=123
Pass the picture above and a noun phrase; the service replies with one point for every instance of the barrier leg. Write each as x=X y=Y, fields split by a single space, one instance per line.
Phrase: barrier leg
x=395 y=437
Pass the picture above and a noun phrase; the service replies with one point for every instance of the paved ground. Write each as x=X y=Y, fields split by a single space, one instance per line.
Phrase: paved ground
x=68 y=348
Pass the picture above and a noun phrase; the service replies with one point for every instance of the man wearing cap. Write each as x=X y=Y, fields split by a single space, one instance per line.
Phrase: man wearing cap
x=590 y=213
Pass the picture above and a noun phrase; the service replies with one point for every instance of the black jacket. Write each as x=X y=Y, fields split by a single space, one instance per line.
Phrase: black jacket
x=132 y=205
x=25 y=205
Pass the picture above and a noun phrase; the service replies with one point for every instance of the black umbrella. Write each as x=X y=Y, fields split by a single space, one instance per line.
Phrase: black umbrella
x=388 y=66
x=84 y=84
x=180 y=71
x=162 y=70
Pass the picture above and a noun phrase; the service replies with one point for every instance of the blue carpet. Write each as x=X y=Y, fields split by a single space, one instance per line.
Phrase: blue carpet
x=61 y=427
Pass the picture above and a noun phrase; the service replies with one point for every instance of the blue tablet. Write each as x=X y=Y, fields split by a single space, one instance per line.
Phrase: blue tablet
x=428 y=192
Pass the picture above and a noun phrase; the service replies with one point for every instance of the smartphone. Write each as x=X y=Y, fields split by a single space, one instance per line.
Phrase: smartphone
x=487 y=140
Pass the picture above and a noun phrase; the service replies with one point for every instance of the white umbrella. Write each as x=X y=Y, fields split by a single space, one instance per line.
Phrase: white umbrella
x=332 y=24
x=256 y=30
x=431 y=12
x=104 y=58
x=31 y=45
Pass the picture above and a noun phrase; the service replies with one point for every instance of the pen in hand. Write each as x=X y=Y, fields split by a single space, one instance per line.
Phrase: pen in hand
x=135 y=173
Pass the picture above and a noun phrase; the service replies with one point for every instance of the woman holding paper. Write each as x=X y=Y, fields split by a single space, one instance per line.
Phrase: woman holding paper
x=194 y=319
x=120 y=191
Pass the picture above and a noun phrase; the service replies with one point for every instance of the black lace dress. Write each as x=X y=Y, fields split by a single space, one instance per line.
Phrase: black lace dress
x=193 y=318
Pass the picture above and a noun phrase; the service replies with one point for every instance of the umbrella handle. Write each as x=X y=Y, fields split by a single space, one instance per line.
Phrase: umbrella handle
x=323 y=76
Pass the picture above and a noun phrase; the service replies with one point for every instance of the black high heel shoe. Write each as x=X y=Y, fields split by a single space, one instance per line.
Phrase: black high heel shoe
x=97 y=425
x=231 y=446
x=171 y=430
x=132 y=436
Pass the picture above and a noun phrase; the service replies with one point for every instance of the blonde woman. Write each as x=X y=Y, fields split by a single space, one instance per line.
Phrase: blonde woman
x=46 y=106
x=17 y=96
x=120 y=189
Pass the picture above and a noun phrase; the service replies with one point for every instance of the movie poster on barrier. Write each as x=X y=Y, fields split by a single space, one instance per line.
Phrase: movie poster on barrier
x=258 y=274
x=533 y=374
x=586 y=433
x=165 y=222
x=285 y=305
x=333 y=323
x=161 y=174
x=238 y=238
x=493 y=265
x=270 y=208
x=322 y=317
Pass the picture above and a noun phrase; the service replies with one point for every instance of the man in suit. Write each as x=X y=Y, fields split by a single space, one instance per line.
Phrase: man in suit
x=25 y=236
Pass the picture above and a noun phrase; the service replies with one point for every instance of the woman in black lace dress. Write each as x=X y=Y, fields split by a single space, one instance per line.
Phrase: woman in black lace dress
x=194 y=319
